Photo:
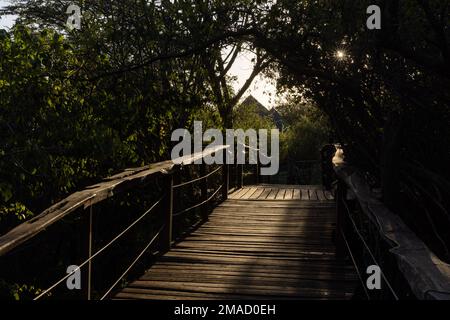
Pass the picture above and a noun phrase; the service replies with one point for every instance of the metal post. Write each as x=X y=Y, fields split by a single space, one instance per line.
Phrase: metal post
x=258 y=164
x=256 y=173
x=240 y=176
x=226 y=182
x=225 y=177
x=89 y=281
x=239 y=167
x=204 y=192
x=166 y=233
x=86 y=247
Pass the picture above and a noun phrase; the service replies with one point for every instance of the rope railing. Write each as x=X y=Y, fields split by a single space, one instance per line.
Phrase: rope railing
x=45 y=292
x=352 y=257
x=132 y=263
x=366 y=247
x=197 y=179
x=199 y=204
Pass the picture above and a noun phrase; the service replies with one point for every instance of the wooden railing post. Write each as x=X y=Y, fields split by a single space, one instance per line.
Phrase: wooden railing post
x=204 y=192
x=166 y=233
x=89 y=280
x=257 y=170
x=258 y=164
x=226 y=182
x=87 y=241
x=225 y=177
x=341 y=193
x=240 y=176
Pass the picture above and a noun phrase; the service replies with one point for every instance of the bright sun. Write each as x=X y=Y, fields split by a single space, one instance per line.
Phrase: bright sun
x=340 y=54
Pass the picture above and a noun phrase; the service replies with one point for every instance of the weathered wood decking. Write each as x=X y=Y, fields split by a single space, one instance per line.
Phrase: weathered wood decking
x=265 y=242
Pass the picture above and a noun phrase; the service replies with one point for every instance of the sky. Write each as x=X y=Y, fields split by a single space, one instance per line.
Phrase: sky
x=6 y=21
x=262 y=89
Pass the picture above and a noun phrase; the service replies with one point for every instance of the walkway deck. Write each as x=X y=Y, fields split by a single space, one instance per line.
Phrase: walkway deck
x=265 y=242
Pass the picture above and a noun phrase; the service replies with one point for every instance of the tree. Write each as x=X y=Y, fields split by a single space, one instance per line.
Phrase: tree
x=306 y=130
x=218 y=66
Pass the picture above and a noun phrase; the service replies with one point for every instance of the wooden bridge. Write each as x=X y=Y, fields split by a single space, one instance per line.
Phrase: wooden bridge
x=243 y=241
x=265 y=242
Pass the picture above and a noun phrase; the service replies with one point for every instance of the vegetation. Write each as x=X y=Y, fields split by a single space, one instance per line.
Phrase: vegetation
x=306 y=131
x=248 y=116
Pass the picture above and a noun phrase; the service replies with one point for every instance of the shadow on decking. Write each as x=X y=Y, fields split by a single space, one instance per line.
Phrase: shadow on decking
x=253 y=249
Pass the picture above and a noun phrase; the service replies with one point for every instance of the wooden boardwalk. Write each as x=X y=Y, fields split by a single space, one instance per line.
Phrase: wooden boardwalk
x=265 y=242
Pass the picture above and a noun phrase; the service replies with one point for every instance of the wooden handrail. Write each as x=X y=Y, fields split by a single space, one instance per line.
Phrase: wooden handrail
x=86 y=198
x=427 y=275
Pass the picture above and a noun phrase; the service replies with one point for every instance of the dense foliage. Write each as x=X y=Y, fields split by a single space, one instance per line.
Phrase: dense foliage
x=246 y=116
x=306 y=131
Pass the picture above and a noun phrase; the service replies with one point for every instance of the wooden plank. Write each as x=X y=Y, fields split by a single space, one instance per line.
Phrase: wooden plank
x=323 y=210
x=305 y=194
x=306 y=269
x=273 y=233
x=312 y=194
x=135 y=296
x=263 y=218
x=257 y=194
x=273 y=194
x=267 y=228
x=248 y=194
x=280 y=194
x=248 y=252
x=234 y=258
x=243 y=248
x=238 y=288
x=146 y=294
x=241 y=193
x=331 y=274
x=279 y=222
x=290 y=186
x=277 y=203
x=237 y=194
x=296 y=230
x=322 y=222
x=260 y=240
x=289 y=194
x=273 y=217
x=336 y=270
x=317 y=236
x=261 y=252
x=274 y=211
x=264 y=195
x=248 y=280
x=321 y=195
